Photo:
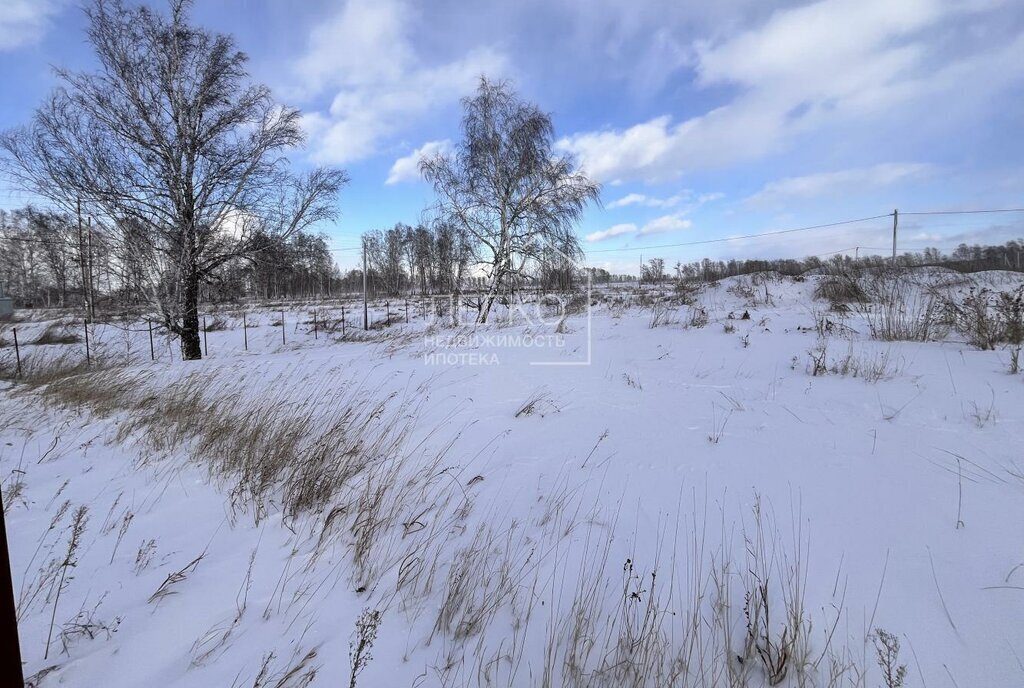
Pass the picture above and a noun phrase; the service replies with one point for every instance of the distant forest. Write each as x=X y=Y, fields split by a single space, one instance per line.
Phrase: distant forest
x=49 y=259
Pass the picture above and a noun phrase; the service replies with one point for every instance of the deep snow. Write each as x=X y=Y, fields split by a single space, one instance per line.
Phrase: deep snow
x=658 y=450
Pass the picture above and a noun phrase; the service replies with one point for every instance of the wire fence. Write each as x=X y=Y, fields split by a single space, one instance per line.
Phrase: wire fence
x=923 y=230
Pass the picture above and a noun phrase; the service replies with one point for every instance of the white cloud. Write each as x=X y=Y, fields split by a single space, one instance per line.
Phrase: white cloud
x=693 y=200
x=839 y=183
x=365 y=55
x=407 y=168
x=660 y=225
x=24 y=22
x=614 y=231
x=665 y=224
x=628 y=199
x=830 y=63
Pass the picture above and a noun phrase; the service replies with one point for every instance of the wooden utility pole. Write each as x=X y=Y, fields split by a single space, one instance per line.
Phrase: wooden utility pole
x=895 y=222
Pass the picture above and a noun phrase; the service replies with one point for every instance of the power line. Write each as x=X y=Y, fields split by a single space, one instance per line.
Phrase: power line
x=745 y=236
x=965 y=212
x=806 y=229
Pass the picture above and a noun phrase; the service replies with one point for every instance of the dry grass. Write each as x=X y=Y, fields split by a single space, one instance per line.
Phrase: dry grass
x=39 y=369
x=901 y=311
x=345 y=457
x=870 y=367
x=345 y=454
x=663 y=316
x=841 y=288
x=988 y=318
x=682 y=615
x=58 y=333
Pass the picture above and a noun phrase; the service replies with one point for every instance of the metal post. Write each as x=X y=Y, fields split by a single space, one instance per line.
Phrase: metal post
x=10 y=650
x=314 y=325
x=282 y=328
x=342 y=321
x=206 y=349
x=81 y=257
x=17 y=351
x=407 y=311
x=152 y=350
x=245 y=332
x=366 y=319
x=387 y=310
x=88 y=358
x=92 y=287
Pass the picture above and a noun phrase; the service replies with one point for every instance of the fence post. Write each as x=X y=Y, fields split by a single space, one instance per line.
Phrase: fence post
x=407 y=311
x=342 y=321
x=282 y=328
x=245 y=332
x=387 y=311
x=152 y=350
x=88 y=357
x=314 y=325
x=17 y=356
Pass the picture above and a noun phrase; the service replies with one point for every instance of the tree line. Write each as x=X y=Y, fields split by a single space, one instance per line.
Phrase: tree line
x=50 y=259
x=964 y=258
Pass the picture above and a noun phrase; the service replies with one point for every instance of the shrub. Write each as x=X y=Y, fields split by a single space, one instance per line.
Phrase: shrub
x=988 y=318
x=662 y=316
x=698 y=317
x=840 y=289
x=902 y=313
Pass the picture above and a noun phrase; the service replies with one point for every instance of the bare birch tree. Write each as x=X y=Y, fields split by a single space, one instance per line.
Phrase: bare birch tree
x=169 y=138
x=507 y=189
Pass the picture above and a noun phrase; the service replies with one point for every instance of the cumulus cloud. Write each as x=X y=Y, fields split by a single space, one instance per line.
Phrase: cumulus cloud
x=660 y=225
x=407 y=168
x=364 y=54
x=624 y=229
x=839 y=182
x=24 y=22
x=665 y=224
x=829 y=63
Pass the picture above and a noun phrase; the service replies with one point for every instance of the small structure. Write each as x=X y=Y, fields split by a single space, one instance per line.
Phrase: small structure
x=6 y=307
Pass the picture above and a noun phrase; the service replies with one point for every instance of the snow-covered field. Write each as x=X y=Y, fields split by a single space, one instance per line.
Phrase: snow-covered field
x=694 y=507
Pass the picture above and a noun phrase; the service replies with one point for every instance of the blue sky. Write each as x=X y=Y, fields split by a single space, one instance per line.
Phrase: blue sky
x=702 y=120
